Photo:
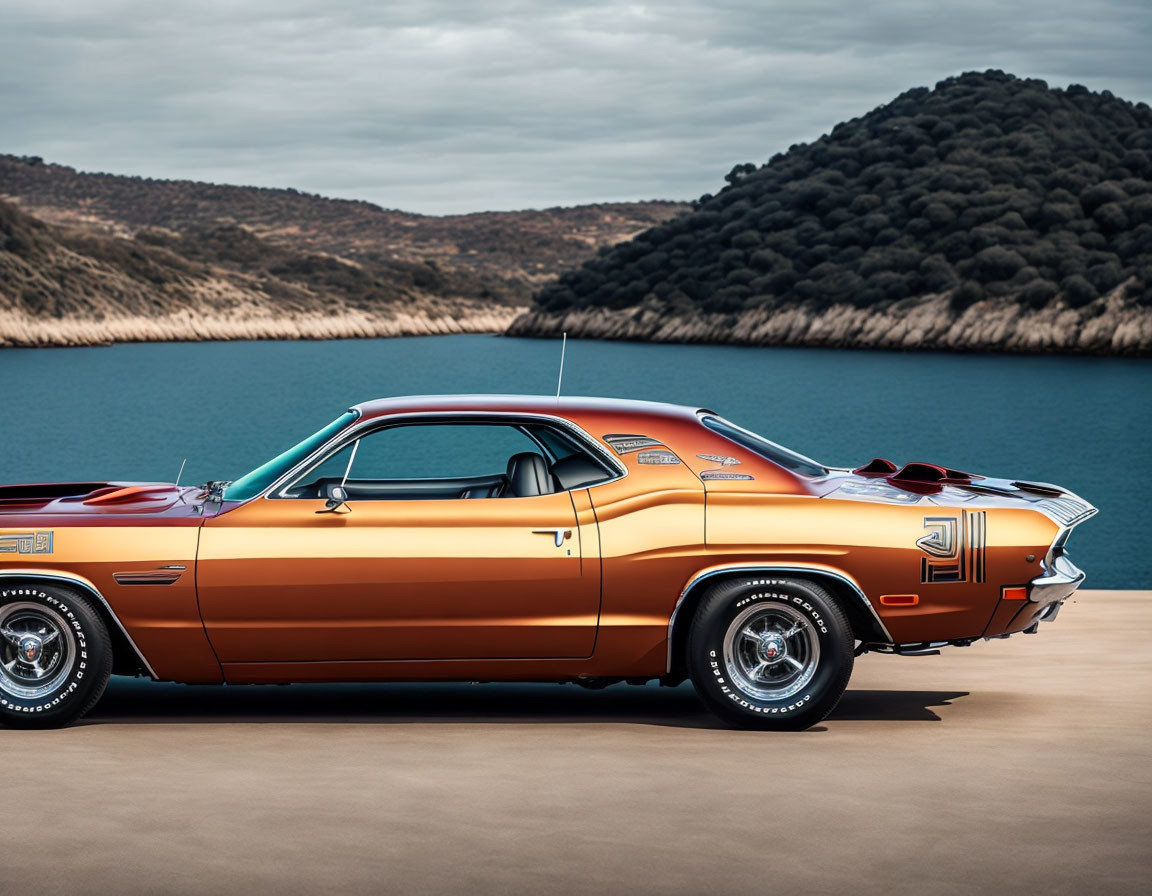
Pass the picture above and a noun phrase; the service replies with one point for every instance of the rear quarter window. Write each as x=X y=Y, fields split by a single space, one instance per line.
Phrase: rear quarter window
x=778 y=454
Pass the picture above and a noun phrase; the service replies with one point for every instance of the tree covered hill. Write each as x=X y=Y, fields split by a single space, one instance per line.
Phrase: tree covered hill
x=987 y=195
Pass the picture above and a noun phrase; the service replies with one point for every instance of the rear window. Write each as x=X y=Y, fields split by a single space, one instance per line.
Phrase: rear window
x=778 y=454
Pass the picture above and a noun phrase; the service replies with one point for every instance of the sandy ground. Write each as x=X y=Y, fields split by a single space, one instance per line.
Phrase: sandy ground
x=1011 y=766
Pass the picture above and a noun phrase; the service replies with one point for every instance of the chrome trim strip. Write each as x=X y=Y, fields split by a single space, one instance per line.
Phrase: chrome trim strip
x=157 y=577
x=91 y=589
x=358 y=427
x=1067 y=511
x=1056 y=548
x=1061 y=541
x=1058 y=574
x=759 y=567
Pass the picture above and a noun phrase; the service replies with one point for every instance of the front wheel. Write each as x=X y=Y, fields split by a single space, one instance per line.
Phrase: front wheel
x=770 y=653
x=55 y=656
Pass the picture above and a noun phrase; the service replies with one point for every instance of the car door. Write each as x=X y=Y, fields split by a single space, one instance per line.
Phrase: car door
x=413 y=571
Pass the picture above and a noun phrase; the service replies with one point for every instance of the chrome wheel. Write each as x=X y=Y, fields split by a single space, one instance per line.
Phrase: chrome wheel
x=35 y=650
x=771 y=651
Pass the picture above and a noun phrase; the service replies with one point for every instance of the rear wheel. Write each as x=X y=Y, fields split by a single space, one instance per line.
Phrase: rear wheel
x=770 y=653
x=55 y=656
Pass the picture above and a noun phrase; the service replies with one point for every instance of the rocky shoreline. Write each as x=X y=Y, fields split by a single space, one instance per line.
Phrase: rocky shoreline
x=1110 y=325
x=18 y=329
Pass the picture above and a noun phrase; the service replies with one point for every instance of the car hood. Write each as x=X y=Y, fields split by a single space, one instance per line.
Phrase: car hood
x=68 y=499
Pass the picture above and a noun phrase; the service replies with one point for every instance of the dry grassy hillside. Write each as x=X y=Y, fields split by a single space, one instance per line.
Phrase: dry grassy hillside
x=489 y=256
x=92 y=258
x=68 y=286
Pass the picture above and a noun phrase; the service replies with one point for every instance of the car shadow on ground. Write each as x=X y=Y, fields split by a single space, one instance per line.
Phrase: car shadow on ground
x=130 y=701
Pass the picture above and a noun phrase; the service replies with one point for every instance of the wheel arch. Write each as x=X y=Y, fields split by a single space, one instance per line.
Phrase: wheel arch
x=867 y=626
x=127 y=657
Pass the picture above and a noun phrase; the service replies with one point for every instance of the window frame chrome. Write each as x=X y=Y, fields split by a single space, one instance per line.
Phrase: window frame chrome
x=362 y=426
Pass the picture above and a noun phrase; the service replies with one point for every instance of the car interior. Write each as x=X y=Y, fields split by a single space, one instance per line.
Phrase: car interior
x=561 y=464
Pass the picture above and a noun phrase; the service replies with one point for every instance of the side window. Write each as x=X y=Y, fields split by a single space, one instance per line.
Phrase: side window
x=778 y=454
x=437 y=451
x=419 y=461
x=427 y=461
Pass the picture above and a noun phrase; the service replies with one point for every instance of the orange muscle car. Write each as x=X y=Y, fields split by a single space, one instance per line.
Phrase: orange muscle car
x=503 y=538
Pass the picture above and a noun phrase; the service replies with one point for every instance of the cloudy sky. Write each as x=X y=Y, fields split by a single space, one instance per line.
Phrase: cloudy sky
x=462 y=105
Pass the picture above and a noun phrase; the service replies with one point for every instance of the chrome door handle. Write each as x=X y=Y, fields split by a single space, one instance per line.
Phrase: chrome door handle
x=558 y=534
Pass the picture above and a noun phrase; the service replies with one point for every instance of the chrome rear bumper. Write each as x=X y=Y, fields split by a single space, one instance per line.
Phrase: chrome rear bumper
x=1060 y=580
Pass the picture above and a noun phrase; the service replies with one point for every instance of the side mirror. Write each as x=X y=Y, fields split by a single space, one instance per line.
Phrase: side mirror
x=337 y=498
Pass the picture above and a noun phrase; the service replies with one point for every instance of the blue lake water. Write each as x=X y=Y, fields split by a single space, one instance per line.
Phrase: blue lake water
x=135 y=411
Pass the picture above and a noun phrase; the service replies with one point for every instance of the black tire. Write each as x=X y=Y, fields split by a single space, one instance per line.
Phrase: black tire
x=737 y=636
x=76 y=660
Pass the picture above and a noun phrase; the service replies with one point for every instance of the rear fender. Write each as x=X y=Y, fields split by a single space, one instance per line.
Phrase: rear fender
x=867 y=625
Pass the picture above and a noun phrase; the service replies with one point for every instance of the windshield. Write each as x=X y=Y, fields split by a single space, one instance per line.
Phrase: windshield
x=252 y=484
x=778 y=454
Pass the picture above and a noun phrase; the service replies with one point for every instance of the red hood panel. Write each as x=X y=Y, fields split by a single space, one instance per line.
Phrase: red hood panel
x=69 y=501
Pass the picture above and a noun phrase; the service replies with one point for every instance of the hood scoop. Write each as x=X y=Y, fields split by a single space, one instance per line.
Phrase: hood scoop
x=930 y=474
x=131 y=494
x=878 y=466
x=916 y=475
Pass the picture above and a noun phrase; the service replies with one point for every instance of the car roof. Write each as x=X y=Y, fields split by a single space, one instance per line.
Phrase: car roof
x=565 y=406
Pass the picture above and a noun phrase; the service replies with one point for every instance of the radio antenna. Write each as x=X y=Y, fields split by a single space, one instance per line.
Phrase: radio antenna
x=560 y=379
x=179 y=476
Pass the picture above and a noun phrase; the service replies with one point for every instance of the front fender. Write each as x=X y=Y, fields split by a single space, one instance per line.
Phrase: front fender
x=77 y=581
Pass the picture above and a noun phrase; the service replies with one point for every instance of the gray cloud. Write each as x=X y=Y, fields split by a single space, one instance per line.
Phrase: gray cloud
x=458 y=106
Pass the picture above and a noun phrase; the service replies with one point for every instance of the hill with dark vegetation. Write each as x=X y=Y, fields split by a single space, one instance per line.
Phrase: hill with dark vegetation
x=988 y=213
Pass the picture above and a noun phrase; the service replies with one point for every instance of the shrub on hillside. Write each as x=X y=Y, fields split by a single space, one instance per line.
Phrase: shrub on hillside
x=987 y=186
